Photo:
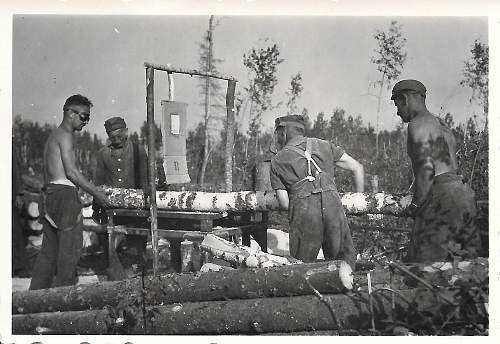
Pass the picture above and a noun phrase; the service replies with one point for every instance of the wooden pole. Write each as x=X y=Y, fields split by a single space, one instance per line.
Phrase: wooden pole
x=170 y=87
x=231 y=86
x=152 y=165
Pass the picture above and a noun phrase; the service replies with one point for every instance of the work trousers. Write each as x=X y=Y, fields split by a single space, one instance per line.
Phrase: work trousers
x=445 y=223
x=318 y=221
x=58 y=257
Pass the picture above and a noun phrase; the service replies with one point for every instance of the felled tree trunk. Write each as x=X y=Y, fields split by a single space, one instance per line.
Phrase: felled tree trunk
x=325 y=277
x=354 y=203
x=438 y=274
x=254 y=316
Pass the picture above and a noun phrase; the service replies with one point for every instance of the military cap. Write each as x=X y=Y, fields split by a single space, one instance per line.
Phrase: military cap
x=408 y=85
x=291 y=120
x=114 y=123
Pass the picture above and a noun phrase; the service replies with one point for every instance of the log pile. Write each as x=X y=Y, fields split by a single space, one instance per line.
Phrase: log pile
x=283 y=299
x=354 y=203
x=250 y=316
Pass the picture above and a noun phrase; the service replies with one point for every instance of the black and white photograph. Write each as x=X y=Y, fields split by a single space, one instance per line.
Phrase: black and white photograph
x=248 y=172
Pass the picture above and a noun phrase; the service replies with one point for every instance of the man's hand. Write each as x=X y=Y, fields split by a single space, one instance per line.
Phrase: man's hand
x=410 y=211
x=102 y=199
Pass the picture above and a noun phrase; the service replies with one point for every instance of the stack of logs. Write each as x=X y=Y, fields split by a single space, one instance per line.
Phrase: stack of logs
x=290 y=299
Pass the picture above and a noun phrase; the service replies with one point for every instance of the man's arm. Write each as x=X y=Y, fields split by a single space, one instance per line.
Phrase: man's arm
x=72 y=173
x=422 y=162
x=346 y=162
x=283 y=200
x=277 y=184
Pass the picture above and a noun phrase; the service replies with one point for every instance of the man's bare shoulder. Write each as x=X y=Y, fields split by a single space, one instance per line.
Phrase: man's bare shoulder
x=423 y=124
x=61 y=136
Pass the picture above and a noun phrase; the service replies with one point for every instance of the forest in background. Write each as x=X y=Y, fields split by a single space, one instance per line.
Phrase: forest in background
x=382 y=152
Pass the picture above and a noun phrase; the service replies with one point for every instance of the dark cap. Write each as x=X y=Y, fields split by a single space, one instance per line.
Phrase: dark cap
x=292 y=120
x=114 y=123
x=408 y=85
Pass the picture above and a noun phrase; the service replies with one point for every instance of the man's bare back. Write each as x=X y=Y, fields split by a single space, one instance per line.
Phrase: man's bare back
x=430 y=141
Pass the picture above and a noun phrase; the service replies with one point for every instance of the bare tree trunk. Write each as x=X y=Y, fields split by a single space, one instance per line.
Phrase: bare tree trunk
x=378 y=114
x=207 y=104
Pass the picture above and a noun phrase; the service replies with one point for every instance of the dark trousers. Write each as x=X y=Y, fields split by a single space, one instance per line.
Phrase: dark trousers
x=318 y=221
x=445 y=225
x=19 y=241
x=59 y=256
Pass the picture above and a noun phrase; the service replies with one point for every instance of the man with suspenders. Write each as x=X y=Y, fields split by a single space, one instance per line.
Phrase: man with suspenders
x=302 y=173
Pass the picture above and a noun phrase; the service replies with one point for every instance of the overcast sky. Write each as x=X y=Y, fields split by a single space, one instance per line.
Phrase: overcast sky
x=102 y=57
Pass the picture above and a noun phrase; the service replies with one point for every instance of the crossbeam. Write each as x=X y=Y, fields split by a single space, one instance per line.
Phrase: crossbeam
x=191 y=72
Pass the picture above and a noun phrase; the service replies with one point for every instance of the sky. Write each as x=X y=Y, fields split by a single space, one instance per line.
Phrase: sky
x=102 y=57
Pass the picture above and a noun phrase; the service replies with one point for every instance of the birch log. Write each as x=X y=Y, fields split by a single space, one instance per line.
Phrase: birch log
x=327 y=277
x=253 y=316
x=354 y=203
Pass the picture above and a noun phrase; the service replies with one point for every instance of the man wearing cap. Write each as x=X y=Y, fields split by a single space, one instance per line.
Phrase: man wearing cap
x=443 y=205
x=121 y=164
x=63 y=222
x=302 y=173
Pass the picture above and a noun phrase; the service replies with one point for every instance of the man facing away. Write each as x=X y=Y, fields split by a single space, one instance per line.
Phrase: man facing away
x=302 y=173
x=122 y=164
x=62 y=232
x=443 y=205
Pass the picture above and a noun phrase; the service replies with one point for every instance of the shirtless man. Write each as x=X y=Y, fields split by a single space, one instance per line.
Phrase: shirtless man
x=443 y=206
x=62 y=233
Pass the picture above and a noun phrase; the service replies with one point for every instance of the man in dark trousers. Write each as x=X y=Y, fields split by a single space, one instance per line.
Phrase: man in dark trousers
x=19 y=236
x=63 y=221
x=443 y=205
x=121 y=164
x=302 y=173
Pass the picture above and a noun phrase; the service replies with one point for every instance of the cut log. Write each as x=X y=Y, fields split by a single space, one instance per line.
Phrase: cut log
x=35 y=225
x=239 y=255
x=438 y=274
x=254 y=316
x=326 y=277
x=354 y=203
x=32 y=210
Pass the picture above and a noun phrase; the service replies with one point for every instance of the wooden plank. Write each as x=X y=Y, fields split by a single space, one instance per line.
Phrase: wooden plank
x=169 y=214
x=182 y=234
